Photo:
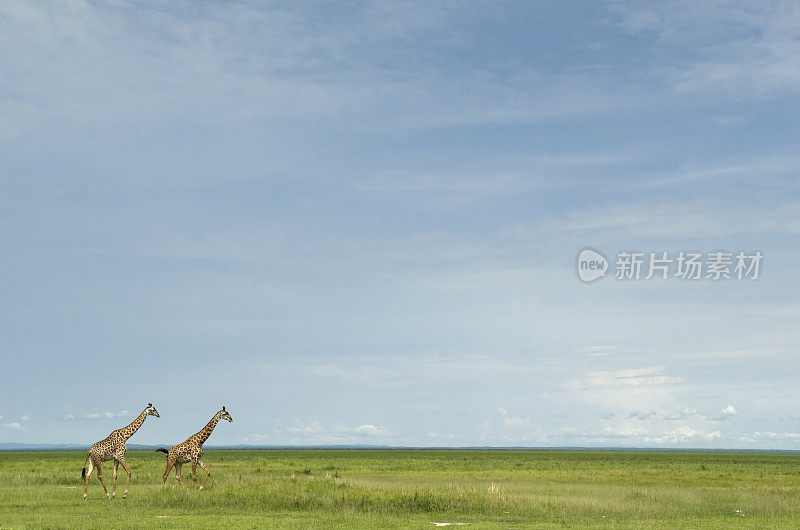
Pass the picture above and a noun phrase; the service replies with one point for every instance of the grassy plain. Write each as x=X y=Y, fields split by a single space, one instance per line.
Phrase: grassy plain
x=412 y=489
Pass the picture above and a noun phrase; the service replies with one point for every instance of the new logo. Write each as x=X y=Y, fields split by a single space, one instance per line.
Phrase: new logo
x=591 y=265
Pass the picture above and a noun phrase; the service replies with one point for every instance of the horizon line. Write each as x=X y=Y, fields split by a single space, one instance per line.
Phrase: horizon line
x=21 y=447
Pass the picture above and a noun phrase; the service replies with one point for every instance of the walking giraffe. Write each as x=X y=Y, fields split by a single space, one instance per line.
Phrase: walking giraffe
x=192 y=451
x=113 y=447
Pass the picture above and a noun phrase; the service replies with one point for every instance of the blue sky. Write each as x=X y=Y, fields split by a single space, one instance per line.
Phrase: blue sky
x=358 y=222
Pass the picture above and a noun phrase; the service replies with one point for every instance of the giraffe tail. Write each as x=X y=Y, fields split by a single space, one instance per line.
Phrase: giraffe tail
x=162 y=450
x=83 y=471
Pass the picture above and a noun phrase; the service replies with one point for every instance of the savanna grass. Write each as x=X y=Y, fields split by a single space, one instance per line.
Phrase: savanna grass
x=413 y=489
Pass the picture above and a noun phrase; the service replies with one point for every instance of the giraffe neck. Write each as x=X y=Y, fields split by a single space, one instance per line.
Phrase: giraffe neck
x=128 y=431
x=203 y=435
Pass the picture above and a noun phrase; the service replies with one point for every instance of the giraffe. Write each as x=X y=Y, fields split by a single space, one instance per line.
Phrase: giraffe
x=192 y=451
x=113 y=447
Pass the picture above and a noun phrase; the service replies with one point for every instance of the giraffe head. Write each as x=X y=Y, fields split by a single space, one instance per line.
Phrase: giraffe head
x=223 y=415
x=151 y=410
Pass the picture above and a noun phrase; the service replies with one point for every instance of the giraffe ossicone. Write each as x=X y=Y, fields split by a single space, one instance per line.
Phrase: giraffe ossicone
x=113 y=448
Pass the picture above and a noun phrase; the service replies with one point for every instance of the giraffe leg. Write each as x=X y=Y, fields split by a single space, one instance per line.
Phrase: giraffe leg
x=178 y=467
x=128 y=480
x=194 y=473
x=170 y=463
x=89 y=468
x=208 y=473
x=114 y=488
x=99 y=465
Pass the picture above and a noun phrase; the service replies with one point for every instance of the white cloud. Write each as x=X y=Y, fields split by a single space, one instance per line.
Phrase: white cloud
x=362 y=430
x=260 y=438
x=748 y=48
x=683 y=434
x=14 y=426
x=107 y=414
x=632 y=431
x=630 y=377
x=315 y=432
x=729 y=411
x=310 y=428
x=110 y=65
x=511 y=421
x=768 y=436
x=24 y=417
x=597 y=351
x=371 y=430
x=68 y=417
x=95 y=415
x=637 y=407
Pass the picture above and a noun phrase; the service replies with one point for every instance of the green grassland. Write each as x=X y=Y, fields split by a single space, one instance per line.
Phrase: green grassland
x=412 y=489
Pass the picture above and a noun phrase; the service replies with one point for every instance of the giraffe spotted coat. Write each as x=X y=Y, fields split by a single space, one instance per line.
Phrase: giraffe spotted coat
x=113 y=448
x=191 y=451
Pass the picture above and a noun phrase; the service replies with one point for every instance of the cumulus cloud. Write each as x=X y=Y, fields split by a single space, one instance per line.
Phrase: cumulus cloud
x=14 y=426
x=683 y=434
x=363 y=430
x=632 y=431
x=768 y=436
x=372 y=430
x=628 y=434
x=728 y=412
x=315 y=432
x=106 y=414
x=652 y=414
x=511 y=421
